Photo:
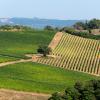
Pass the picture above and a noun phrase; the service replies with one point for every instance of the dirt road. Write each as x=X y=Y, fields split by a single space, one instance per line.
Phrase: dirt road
x=16 y=95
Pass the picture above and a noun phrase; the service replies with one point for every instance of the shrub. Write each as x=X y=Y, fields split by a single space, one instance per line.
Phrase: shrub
x=45 y=50
x=89 y=91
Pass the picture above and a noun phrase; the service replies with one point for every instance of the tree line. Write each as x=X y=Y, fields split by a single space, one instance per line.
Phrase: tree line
x=87 y=25
x=16 y=27
x=82 y=29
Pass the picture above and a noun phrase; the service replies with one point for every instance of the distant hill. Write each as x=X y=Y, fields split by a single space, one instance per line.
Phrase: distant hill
x=37 y=23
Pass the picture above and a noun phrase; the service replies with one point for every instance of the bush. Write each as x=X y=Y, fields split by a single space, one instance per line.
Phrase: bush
x=49 y=28
x=89 y=91
x=45 y=50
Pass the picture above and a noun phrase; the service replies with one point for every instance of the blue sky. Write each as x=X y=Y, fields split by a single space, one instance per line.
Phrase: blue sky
x=53 y=9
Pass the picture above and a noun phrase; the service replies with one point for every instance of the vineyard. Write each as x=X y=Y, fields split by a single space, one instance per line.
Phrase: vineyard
x=75 y=53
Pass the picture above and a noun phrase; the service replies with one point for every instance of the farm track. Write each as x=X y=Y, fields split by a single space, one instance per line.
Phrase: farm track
x=19 y=95
x=14 y=62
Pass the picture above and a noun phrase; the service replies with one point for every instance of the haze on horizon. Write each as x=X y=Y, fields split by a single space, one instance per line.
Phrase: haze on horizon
x=50 y=9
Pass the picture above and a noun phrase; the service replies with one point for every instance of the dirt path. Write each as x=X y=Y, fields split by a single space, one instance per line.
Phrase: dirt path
x=17 y=95
x=55 y=40
x=14 y=62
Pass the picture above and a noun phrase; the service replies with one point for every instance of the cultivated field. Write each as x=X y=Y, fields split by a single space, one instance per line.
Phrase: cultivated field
x=41 y=78
x=14 y=45
x=75 y=53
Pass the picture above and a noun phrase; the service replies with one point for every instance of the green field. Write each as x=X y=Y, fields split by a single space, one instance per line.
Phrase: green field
x=31 y=76
x=6 y=59
x=39 y=78
x=14 y=45
x=20 y=43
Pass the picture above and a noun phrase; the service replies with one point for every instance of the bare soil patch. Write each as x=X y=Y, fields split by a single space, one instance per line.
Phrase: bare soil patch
x=16 y=95
x=55 y=40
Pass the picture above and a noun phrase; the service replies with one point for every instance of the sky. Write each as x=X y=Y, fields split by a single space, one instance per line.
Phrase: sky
x=50 y=9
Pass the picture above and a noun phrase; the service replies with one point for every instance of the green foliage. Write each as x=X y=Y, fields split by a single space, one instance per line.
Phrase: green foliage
x=71 y=94
x=49 y=28
x=83 y=34
x=93 y=24
x=87 y=35
x=81 y=92
x=55 y=96
x=68 y=29
x=15 y=27
x=44 y=49
x=80 y=26
x=78 y=86
x=84 y=29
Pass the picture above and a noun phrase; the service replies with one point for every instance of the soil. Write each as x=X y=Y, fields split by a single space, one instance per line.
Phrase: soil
x=16 y=95
x=55 y=40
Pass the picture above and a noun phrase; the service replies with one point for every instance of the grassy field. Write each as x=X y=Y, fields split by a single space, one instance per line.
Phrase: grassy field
x=39 y=78
x=6 y=59
x=20 y=43
x=31 y=76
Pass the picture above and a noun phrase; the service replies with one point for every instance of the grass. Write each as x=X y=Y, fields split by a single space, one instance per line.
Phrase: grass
x=31 y=76
x=39 y=78
x=20 y=43
x=6 y=59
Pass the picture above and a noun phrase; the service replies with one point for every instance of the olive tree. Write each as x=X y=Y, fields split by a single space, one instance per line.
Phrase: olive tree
x=44 y=49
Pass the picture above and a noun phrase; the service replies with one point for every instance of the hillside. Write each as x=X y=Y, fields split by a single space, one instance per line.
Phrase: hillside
x=39 y=78
x=35 y=77
x=75 y=53
x=14 y=45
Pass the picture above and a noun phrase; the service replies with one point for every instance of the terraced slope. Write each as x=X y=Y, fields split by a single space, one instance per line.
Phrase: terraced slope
x=76 y=53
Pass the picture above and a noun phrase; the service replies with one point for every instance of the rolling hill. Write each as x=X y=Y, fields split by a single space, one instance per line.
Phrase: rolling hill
x=17 y=44
x=39 y=78
x=45 y=77
x=75 y=53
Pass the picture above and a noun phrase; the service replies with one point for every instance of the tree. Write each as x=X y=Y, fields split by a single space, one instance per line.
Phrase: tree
x=56 y=96
x=89 y=91
x=72 y=94
x=49 y=28
x=17 y=27
x=79 y=86
x=45 y=50
x=80 y=26
x=95 y=85
x=94 y=24
x=6 y=27
x=97 y=94
x=68 y=30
